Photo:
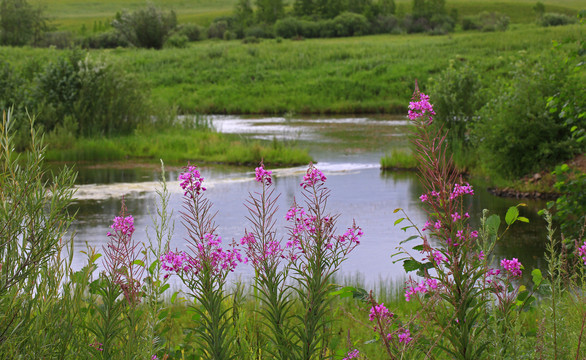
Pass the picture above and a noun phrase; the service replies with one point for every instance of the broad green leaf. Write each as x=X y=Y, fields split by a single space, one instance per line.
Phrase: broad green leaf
x=418 y=247
x=174 y=297
x=95 y=257
x=398 y=221
x=537 y=277
x=493 y=223
x=523 y=219
x=411 y=265
x=344 y=292
x=512 y=215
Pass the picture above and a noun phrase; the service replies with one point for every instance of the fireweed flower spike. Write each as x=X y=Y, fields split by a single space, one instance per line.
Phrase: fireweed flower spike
x=123 y=256
x=205 y=266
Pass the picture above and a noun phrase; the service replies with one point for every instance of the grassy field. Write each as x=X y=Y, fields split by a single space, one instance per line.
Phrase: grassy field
x=73 y=14
x=371 y=74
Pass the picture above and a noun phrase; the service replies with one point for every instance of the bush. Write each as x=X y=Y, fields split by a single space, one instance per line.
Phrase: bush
x=260 y=31
x=350 y=24
x=555 y=19
x=58 y=39
x=416 y=25
x=177 y=41
x=106 y=40
x=147 y=28
x=99 y=97
x=217 y=29
x=456 y=95
x=486 y=21
x=385 y=24
x=517 y=134
x=288 y=27
x=441 y=24
x=193 y=32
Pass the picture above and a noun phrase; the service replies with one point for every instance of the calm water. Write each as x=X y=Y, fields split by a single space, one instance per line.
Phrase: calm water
x=347 y=151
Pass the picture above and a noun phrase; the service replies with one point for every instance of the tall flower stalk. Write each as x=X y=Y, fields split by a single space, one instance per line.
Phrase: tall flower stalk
x=317 y=253
x=454 y=259
x=265 y=253
x=205 y=267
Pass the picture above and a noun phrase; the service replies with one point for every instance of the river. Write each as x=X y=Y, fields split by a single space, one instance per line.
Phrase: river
x=346 y=150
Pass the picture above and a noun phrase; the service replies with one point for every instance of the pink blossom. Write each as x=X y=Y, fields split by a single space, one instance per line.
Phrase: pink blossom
x=312 y=177
x=191 y=181
x=582 y=252
x=123 y=225
x=423 y=197
x=352 y=355
x=460 y=190
x=512 y=266
x=421 y=108
x=438 y=224
x=263 y=175
x=438 y=257
x=405 y=337
x=474 y=234
x=379 y=312
x=456 y=216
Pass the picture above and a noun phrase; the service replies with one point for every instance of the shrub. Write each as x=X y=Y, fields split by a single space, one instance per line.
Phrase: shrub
x=106 y=40
x=288 y=27
x=350 y=24
x=193 y=32
x=229 y=35
x=100 y=97
x=260 y=31
x=555 y=19
x=486 y=21
x=217 y=29
x=58 y=39
x=148 y=27
x=517 y=134
x=385 y=24
x=177 y=41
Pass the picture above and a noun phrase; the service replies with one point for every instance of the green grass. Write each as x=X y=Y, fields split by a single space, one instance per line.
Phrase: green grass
x=398 y=159
x=179 y=146
x=371 y=74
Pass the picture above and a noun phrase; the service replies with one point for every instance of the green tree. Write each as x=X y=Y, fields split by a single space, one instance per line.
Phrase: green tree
x=304 y=7
x=387 y=7
x=269 y=11
x=21 y=23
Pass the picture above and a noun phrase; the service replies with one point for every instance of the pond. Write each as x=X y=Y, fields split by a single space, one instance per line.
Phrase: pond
x=346 y=150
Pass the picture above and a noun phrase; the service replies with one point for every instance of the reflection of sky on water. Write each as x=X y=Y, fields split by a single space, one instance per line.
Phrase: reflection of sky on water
x=359 y=191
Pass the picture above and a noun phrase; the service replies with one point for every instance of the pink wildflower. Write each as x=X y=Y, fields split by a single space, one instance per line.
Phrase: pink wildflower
x=456 y=216
x=512 y=266
x=405 y=337
x=379 y=312
x=352 y=355
x=262 y=175
x=191 y=181
x=423 y=198
x=312 y=177
x=421 y=108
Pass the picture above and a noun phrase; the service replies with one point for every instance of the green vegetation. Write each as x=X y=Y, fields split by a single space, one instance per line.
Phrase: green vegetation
x=398 y=159
x=176 y=145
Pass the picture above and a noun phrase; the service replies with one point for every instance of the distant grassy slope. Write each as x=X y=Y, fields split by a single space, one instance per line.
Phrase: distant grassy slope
x=371 y=74
x=72 y=14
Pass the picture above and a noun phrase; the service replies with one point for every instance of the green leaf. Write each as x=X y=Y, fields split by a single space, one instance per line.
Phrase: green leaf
x=138 y=262
x=398 y=221
x=411 y=265
x=523 y=219
x=153 y=266
x=418 y=247
x=493 y=223
x=537 y=277
x=174 y=297
x=512 y=215
x=94 y=258
x=412 y=237
x=344 y=292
